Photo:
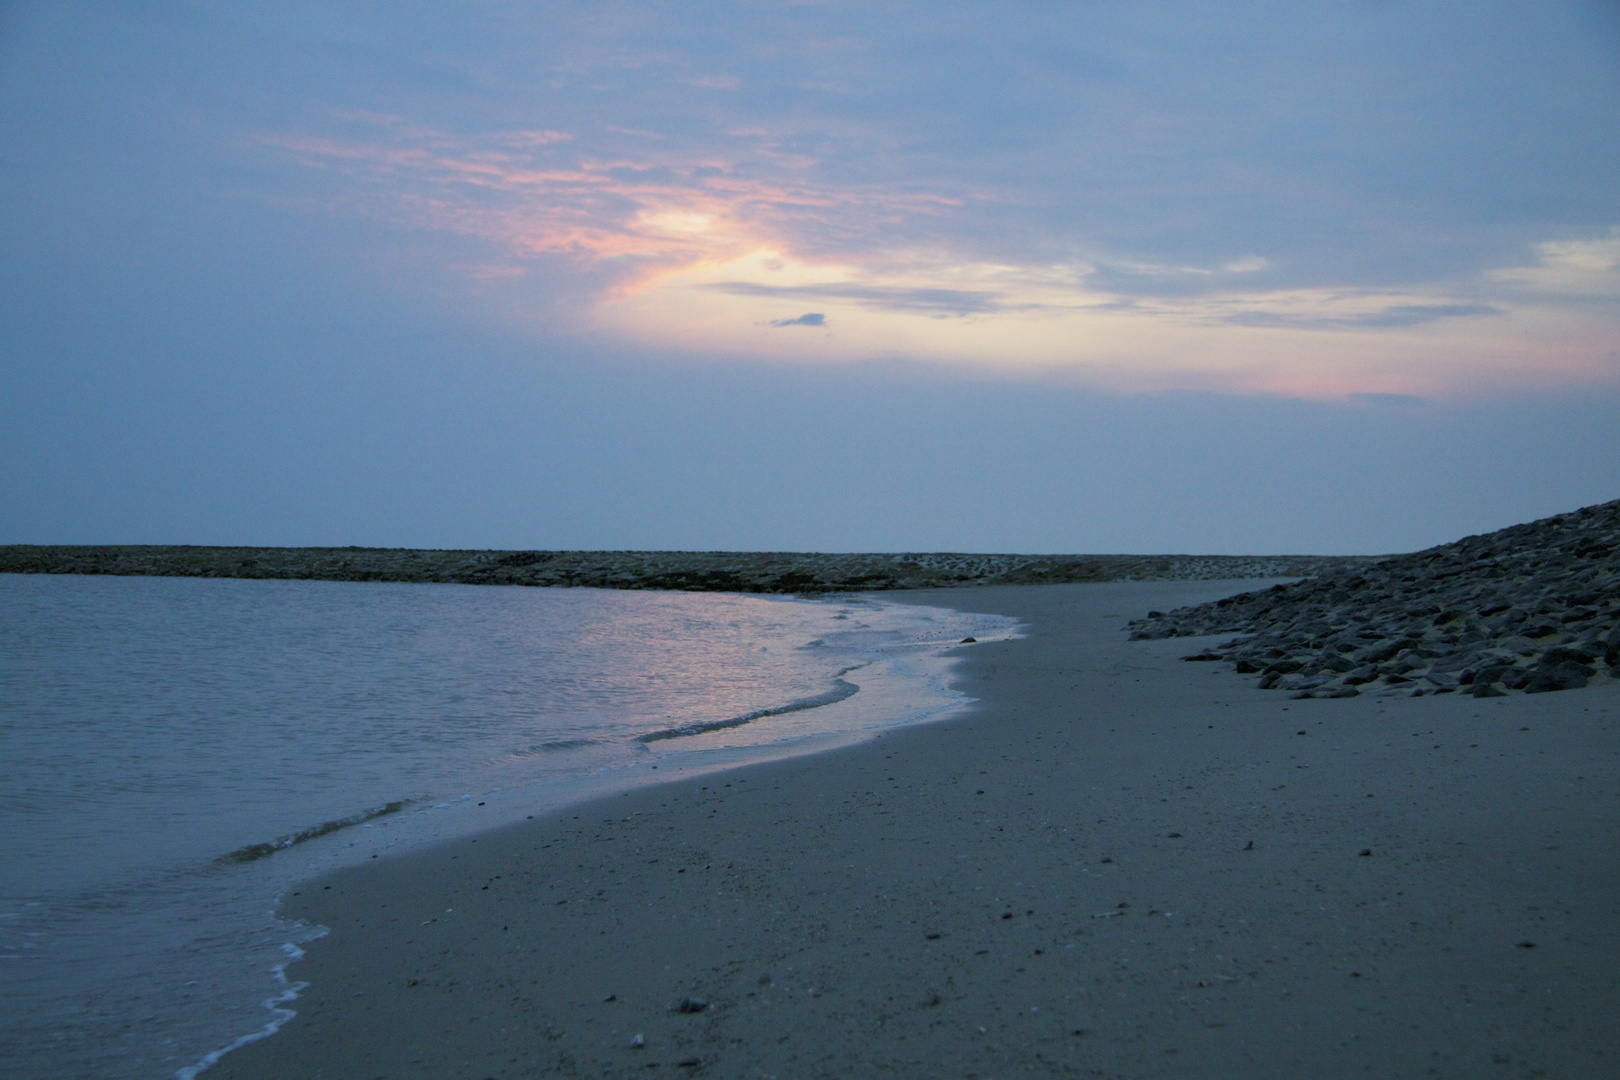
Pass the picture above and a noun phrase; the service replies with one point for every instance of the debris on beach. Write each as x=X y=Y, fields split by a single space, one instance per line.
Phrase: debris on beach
x=1529 y=609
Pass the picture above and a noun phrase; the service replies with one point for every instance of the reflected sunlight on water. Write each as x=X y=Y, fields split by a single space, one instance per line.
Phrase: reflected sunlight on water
x=175 y=751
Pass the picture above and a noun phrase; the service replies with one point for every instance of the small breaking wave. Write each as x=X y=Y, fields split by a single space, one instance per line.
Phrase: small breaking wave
x=254 y=852
x=523 y=753
x=841 y=689
x=277 y=1005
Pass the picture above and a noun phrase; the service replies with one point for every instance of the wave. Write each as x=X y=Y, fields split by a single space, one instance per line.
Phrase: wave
x=523 y=753
x=254 y=852
x=277 y=1006
x=841 y=689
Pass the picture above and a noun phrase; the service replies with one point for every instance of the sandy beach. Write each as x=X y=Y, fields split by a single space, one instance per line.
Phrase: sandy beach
x=1116 y=864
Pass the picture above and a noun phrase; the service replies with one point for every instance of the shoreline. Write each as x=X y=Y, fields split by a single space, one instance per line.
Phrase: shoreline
x=1058 y=879
x=190 y=910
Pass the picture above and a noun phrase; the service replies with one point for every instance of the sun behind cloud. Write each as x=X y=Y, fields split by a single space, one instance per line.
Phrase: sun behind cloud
x=712 y=251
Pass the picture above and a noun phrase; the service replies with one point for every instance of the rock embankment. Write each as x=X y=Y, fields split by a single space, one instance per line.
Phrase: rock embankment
x=713 y=571
x=1527 y=609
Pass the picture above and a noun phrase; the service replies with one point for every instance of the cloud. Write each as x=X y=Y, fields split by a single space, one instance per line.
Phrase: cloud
x=1174 y=200
x=1587 y=267
x=809 y=318
x=935 y=301
x=631 y=211
x=1389 y=400
x=1389 y=317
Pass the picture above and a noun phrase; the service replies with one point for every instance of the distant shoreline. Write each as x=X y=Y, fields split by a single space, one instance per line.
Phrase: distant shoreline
x=690 y=571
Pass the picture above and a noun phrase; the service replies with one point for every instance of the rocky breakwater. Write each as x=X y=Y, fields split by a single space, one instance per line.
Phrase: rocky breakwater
x=1528 y=609
x=690 y=571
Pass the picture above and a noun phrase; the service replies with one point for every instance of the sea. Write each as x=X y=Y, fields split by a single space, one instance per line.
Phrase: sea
x=176 y=752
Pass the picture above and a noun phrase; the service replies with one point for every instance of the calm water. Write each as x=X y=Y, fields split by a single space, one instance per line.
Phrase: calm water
x=151 y=727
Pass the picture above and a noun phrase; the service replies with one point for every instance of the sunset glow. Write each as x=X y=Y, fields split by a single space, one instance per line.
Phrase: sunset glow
x=1167 y=275
x=753 y=255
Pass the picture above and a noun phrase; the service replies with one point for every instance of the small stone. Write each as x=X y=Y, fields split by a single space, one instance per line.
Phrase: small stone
x=691 y=1005
x=637 y=1042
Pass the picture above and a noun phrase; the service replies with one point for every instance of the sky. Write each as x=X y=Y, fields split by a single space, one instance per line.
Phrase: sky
x=1235 y=277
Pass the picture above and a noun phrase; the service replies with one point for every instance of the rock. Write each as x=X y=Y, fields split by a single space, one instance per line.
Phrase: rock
x=691 y=1005
x=1515 y=678
x=1565 y=676
x=1555 y=656
x=1535 y=605
x=727 y=571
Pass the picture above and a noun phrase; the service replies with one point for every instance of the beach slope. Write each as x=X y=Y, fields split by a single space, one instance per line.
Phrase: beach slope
x=1116 y=864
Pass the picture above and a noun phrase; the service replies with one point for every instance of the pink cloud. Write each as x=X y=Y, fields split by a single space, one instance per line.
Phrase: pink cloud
x=534 y=195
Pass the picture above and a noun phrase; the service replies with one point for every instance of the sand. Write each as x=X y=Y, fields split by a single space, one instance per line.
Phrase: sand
x=1060 y=881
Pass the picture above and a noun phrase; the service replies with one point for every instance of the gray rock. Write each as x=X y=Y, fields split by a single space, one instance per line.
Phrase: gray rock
x=1536 y=605
x=1565 y=676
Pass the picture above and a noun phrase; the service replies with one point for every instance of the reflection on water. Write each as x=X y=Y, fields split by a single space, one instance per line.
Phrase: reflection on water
x=174 y=751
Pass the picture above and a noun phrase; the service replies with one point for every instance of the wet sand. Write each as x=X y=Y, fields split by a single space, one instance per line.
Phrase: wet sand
x=1060 y=881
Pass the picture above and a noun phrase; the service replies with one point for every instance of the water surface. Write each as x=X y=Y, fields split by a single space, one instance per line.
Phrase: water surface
x=174 y=752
